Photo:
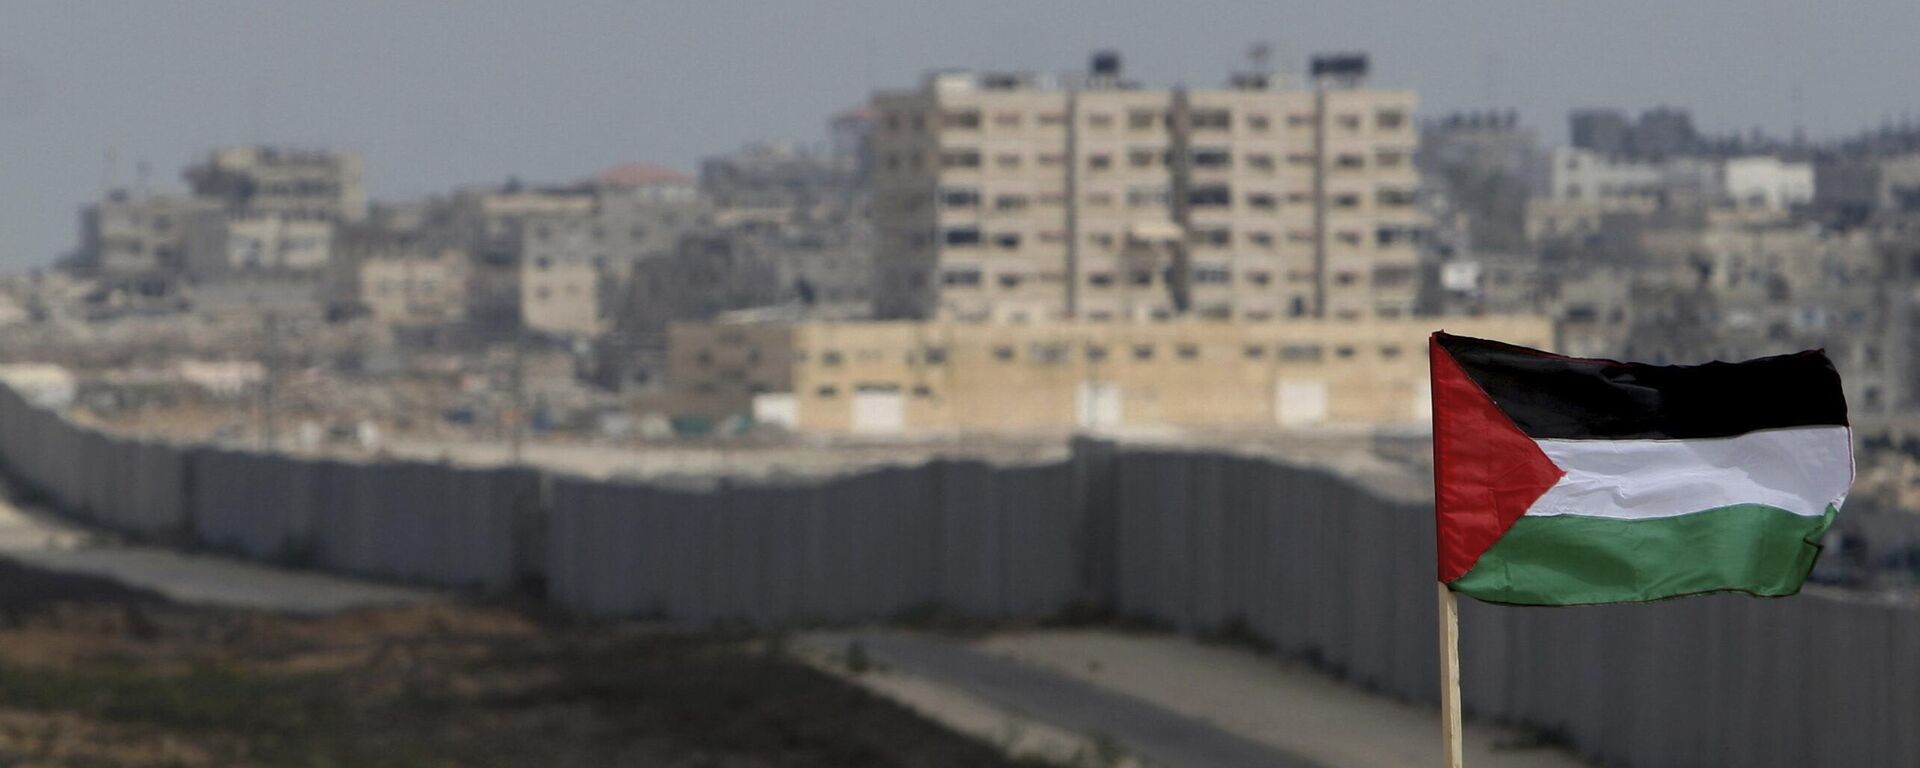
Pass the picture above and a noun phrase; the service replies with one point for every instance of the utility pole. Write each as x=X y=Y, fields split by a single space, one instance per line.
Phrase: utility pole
x=517 y=430
x=269 y=428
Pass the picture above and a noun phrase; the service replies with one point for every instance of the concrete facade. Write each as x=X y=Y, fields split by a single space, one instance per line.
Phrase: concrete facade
x=314 y=184
x=221 y=244
x=881 y=378
x=1013 y=198
x=127 y=234
x=428 y=287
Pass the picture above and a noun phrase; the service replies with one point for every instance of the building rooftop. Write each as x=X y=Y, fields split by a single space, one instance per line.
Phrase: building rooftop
x=639 y=175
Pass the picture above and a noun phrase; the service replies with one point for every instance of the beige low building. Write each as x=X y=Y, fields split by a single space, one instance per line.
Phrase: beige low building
x=899 y=377
x=411 y=289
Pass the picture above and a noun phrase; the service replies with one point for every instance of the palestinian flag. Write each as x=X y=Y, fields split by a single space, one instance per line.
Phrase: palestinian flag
x=1567 y=481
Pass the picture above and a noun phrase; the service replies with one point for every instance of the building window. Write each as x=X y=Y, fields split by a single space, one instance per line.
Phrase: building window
x=1212 y=274
x=1142 y=119
x=934 y=355
x=1143 y=158
x=1265 y=201
x=960 y=158
x=1212 y=157
x=1007 y=240
x=960 y=197
x=1394 y=198
x=1300 y=353
x=1255 y=351
x=1261 y=162
x=1010 y=280
x=1100 y=279
x=962 y=236
x=1389 y=352
x=830 y=358
x=1096 y=353
x=1146 y=197
x=964 y=120
x=1010 y=202
x=961 y=277
x=1187 y=351
x=1099 y=162
x=1215 y=236
x=1260 y=277
x=1210 y=196
x=828 y=391
x=1143 y=351
x=1211 y=119
x=1048 y=354
x=1258 y=123
x=1390 y=119
x=1003 y=353
x=1100 y=120
x=1007 y=160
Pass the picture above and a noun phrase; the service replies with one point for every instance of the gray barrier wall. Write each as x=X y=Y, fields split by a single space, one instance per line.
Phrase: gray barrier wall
x=966 y=537
x=405 y=521
x=1313 y=564
x=1328 y=572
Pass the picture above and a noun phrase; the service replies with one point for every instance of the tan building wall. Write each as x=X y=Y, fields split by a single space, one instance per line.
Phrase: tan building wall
x=316 y=184
x=957 y=377
x=1010 y=200
x=561 y=297
x=419 y=290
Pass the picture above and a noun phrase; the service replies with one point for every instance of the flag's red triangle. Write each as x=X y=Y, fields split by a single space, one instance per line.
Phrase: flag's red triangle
x=1486 y=472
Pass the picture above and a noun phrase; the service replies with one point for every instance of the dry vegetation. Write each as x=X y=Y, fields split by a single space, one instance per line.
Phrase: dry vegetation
x=93 y=674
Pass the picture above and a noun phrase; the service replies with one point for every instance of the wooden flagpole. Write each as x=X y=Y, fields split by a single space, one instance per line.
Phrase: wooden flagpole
x=1450 y=675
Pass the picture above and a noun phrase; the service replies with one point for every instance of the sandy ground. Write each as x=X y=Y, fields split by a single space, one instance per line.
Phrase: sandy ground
x=1289 y=706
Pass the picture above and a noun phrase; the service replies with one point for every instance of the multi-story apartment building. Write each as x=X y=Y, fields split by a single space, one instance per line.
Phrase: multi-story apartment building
x=416 y=285
x=132 y=235
x=1016 y=197
x=221 y=245
x=574 y=261
x=310 y=184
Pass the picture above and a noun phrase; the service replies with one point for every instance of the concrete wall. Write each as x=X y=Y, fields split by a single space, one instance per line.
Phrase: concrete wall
x=1315 y=565
x=965 y=537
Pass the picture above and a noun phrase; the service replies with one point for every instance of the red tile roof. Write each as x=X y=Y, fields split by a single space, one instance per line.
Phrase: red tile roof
x=639 y=175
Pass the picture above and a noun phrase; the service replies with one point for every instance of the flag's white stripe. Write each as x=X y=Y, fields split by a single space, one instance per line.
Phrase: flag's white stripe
x=1800 y=470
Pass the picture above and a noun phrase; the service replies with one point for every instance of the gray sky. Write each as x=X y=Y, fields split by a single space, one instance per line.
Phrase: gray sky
x=440 y=94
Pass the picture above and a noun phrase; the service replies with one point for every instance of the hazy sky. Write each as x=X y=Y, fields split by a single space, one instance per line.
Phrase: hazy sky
x=445 y=93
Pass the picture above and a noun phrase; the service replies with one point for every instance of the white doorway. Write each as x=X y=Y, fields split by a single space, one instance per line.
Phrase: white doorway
x=1299 y=402
x=1099 y=405
x=879 y=410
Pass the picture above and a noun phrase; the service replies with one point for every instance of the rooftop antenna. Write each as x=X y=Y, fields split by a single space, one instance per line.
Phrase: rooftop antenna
x=1259 y=54
x=109 y=173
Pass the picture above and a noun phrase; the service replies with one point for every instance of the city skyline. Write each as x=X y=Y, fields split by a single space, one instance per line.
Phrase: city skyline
x=434 y=101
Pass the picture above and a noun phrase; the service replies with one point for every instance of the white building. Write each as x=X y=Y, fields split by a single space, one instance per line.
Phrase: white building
x=1766 y=183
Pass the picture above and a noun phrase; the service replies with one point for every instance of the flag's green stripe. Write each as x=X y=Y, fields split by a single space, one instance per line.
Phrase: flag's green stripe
x=1573 y=560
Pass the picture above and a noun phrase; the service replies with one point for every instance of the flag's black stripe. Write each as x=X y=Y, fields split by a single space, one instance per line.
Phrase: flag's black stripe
x=1551 y=396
